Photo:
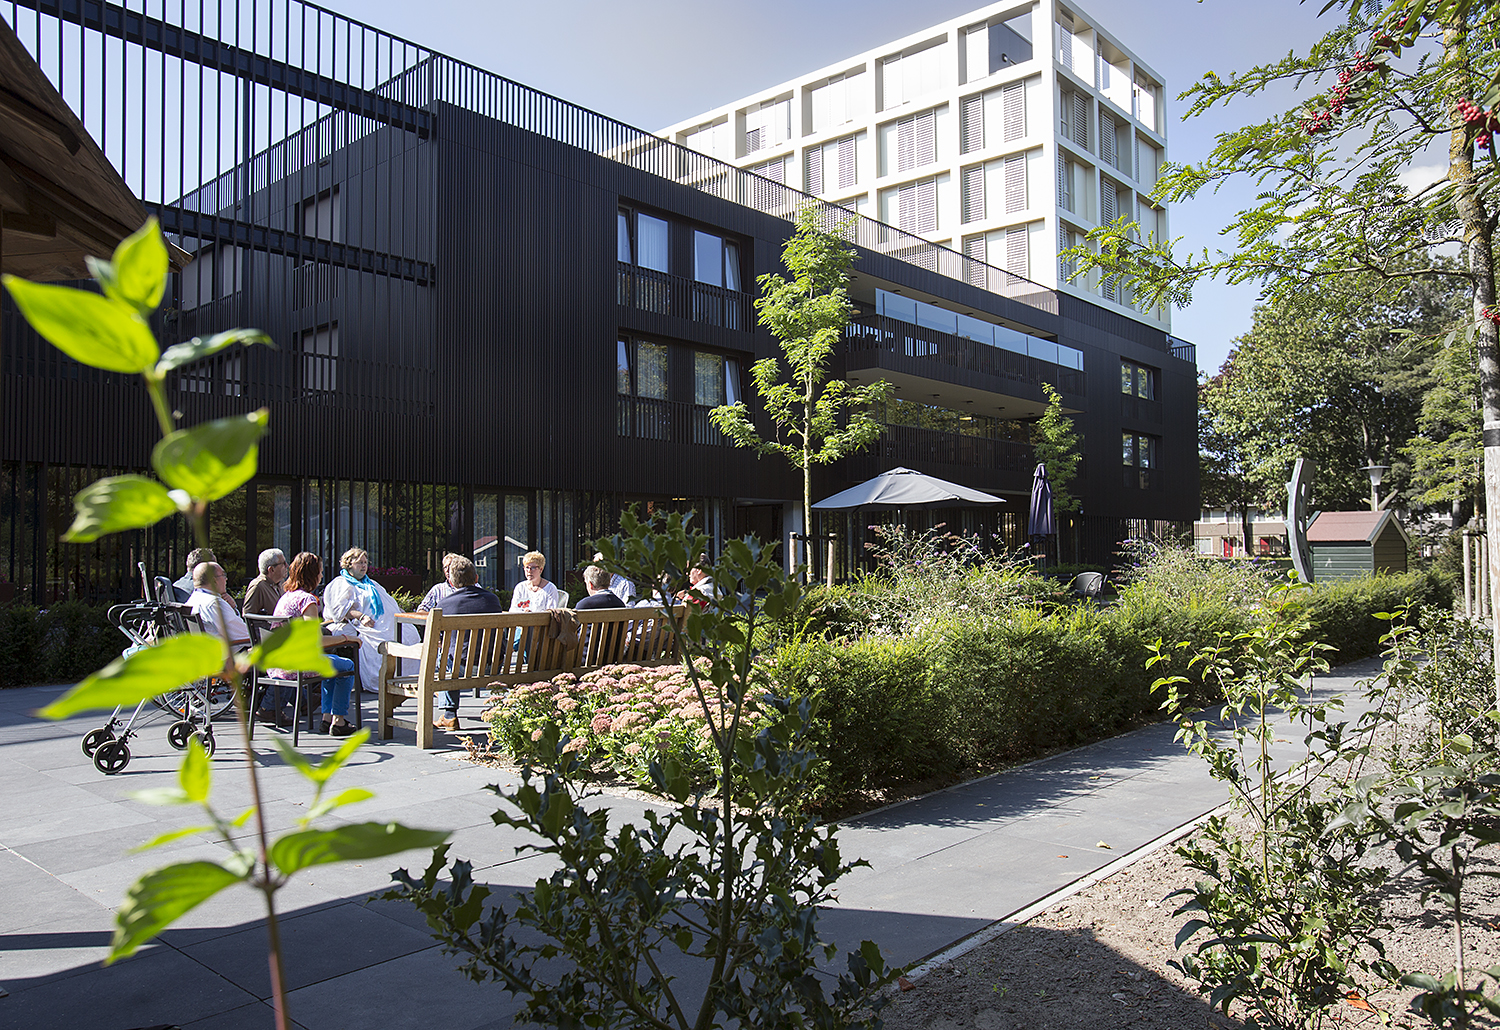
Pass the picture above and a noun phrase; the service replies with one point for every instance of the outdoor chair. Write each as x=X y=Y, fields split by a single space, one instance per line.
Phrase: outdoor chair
x=301 y=685
x=1088 y=585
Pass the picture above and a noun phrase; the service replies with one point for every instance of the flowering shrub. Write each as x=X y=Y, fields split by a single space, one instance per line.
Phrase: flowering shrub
x=618 y=719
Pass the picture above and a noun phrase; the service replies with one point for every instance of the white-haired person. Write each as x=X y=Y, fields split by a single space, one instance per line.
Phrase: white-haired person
x=265 y=590
x=534 y=594
x=363 y=607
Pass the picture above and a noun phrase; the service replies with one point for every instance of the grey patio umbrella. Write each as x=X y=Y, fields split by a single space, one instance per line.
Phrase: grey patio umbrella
x=904 y=488
x=1039 y=519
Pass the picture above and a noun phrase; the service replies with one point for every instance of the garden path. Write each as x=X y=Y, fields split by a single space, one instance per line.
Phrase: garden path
x=942 y=868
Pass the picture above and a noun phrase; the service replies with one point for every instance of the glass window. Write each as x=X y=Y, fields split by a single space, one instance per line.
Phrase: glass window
x=1128 y=456
x=731 y=265
x=651 y=370
x=708 y=379
x=708 y=258
x=1127 y=377
x=651 y=240
x=622 y=245
x=731 y=381
x=622 y=367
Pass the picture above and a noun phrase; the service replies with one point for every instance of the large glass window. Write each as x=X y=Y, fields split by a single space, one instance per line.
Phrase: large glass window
x=708 y=379
x=931 y=316
x=1137 y=380
x=716 y=261
x=1139 y=456
x=641 y=369
x=643 y=240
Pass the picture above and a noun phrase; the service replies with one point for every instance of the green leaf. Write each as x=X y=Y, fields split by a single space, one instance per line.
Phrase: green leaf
x=195 y=775
x=94 y=330
x=296 y=647
x=158 y=899
x=211 y=460
x=167 y=838
x=138 y=274
x=345 y=797
x=347 y=843
x=115 y=504
x=197 y=348
x=129 y=680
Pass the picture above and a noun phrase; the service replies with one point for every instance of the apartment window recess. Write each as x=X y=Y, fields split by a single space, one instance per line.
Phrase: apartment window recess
x=1138 y=380
x=1140 y=460
x=916 y=141
x=320 y=354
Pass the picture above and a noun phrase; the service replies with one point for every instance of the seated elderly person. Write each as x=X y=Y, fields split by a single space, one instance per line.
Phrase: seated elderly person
x=534 y=594
x=600 y=594
x=434 y=597
x=265 y=590
x=465 y=597
x=210 y=601
x=365 y=608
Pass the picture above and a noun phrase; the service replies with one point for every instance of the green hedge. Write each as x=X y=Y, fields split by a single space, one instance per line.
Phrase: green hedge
x=1342 y=614
x=60 y=644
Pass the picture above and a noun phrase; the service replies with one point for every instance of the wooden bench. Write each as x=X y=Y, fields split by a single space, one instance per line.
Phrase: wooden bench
x=509 y=648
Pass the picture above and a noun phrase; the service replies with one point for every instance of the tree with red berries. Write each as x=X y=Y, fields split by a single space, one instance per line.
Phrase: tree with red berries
x=1385 y=94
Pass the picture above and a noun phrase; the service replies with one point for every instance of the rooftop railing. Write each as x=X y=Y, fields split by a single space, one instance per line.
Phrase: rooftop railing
x=200 y=106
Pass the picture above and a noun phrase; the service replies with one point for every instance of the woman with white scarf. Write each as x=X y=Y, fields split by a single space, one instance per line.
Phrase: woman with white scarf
x=365 y=607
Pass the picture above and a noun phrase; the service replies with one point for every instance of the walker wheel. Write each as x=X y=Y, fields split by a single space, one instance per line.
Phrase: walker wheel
x=111 y=757
x=93 y=738
x=179 y=732
x=206 y=738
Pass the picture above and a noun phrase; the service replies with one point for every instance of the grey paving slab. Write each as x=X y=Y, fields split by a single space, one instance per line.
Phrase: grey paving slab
x=160 y=985
x=255 y=1016
x=35 y=897
x=317 y=946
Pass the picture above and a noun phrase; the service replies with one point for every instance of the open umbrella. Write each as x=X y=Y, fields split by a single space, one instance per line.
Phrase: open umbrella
x=904 y=488
x=1040 y=520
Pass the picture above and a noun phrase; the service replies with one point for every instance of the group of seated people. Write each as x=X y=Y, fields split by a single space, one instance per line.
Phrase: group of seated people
x=356 y=610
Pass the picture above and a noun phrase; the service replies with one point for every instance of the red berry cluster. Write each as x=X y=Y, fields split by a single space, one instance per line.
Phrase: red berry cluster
x=1491 y=314
x=1322 y=119
x=1481 y=121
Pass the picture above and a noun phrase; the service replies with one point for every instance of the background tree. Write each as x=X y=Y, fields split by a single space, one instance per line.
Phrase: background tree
x=818 y=419
x=1055 y=444
x=1335 y=372
x=1225 y=477
x=1446 y=455
x=1330 y=197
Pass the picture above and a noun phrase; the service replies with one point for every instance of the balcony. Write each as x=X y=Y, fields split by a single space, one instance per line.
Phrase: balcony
x=873 y=336
x=645 y=418
x=905 y=445
x=648 y=290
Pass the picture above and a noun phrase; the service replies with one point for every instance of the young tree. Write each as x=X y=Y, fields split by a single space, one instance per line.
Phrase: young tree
x=1331 y=201
x=818 y=420
x=1056 y=446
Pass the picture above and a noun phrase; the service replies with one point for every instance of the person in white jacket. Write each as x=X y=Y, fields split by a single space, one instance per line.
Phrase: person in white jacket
x=365 y=607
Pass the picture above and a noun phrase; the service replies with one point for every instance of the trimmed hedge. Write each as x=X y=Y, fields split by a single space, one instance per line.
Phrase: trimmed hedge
x=60 y=644
x=1342 y=614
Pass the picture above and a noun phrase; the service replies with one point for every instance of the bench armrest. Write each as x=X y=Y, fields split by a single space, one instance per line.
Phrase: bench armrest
x=395 y=650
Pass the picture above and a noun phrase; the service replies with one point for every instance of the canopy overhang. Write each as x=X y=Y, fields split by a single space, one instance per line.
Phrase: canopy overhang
x=906 y=488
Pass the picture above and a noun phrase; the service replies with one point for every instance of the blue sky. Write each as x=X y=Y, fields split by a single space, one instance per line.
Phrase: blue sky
x=654 y=62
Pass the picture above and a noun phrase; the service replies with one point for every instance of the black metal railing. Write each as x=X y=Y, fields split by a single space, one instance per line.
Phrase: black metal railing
x=910 y=444
x=649 y=290
x=882 y=335
x=1182 y=349
x=645 y=418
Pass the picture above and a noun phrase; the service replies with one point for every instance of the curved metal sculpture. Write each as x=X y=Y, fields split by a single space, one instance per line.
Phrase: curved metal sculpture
x=1298 y=505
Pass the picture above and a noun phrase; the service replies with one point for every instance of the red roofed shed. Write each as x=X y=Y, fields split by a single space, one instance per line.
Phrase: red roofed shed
x=1350 y=544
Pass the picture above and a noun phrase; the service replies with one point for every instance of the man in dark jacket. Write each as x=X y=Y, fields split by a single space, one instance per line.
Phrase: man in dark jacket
x=466 y=598
x=600 y=596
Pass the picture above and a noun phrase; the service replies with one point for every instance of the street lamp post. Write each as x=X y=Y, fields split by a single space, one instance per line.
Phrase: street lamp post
x=1375 y=472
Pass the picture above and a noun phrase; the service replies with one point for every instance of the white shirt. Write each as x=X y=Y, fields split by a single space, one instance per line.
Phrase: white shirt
x=525 y=599
x=208 y=606
x=621 y=588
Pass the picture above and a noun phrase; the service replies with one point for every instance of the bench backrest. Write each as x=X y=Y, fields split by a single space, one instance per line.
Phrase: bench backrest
x=463 y=651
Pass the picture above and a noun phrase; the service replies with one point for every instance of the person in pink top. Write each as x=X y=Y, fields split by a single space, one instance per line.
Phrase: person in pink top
x=300 y=601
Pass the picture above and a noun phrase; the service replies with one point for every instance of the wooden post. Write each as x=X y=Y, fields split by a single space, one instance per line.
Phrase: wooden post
x=831 y=538
x=1468 y=574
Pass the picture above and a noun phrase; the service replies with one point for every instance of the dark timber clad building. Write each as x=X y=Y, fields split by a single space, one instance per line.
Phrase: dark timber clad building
x=500 y=318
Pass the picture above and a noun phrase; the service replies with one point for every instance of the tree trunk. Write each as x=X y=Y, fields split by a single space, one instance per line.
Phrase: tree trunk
x=1247 y=526
x=1480 y=252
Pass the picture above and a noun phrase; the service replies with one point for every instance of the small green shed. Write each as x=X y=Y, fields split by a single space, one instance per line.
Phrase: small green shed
x=1351 y=544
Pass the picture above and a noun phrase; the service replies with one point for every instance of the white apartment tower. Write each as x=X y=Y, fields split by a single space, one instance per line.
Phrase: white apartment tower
x=1005 y=134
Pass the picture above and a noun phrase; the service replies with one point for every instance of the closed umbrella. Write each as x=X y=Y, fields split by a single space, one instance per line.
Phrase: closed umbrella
x=1041 y=523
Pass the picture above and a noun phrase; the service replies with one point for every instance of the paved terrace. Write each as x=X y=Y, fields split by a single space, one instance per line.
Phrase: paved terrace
x=941 y=868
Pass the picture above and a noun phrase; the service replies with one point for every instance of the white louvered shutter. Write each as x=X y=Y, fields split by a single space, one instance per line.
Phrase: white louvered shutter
x=1065 y=45
x=1064 y=193
x=926 y=204
x=905 y=144
x=814 y=184
x=753 y=140
x=1081 y=120
x=847 y=176
x=1135 y=154
x=1015 y=184
x=906 y=207
x=971 y=114
x=975 y=272
x=973 y=193
x=1015 y=251
x=1013 y=106
x=924 y=138
x=1110 y=289
x=1107 y=140
x=1109 y=202
x=977 y=52
x=891 y=91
